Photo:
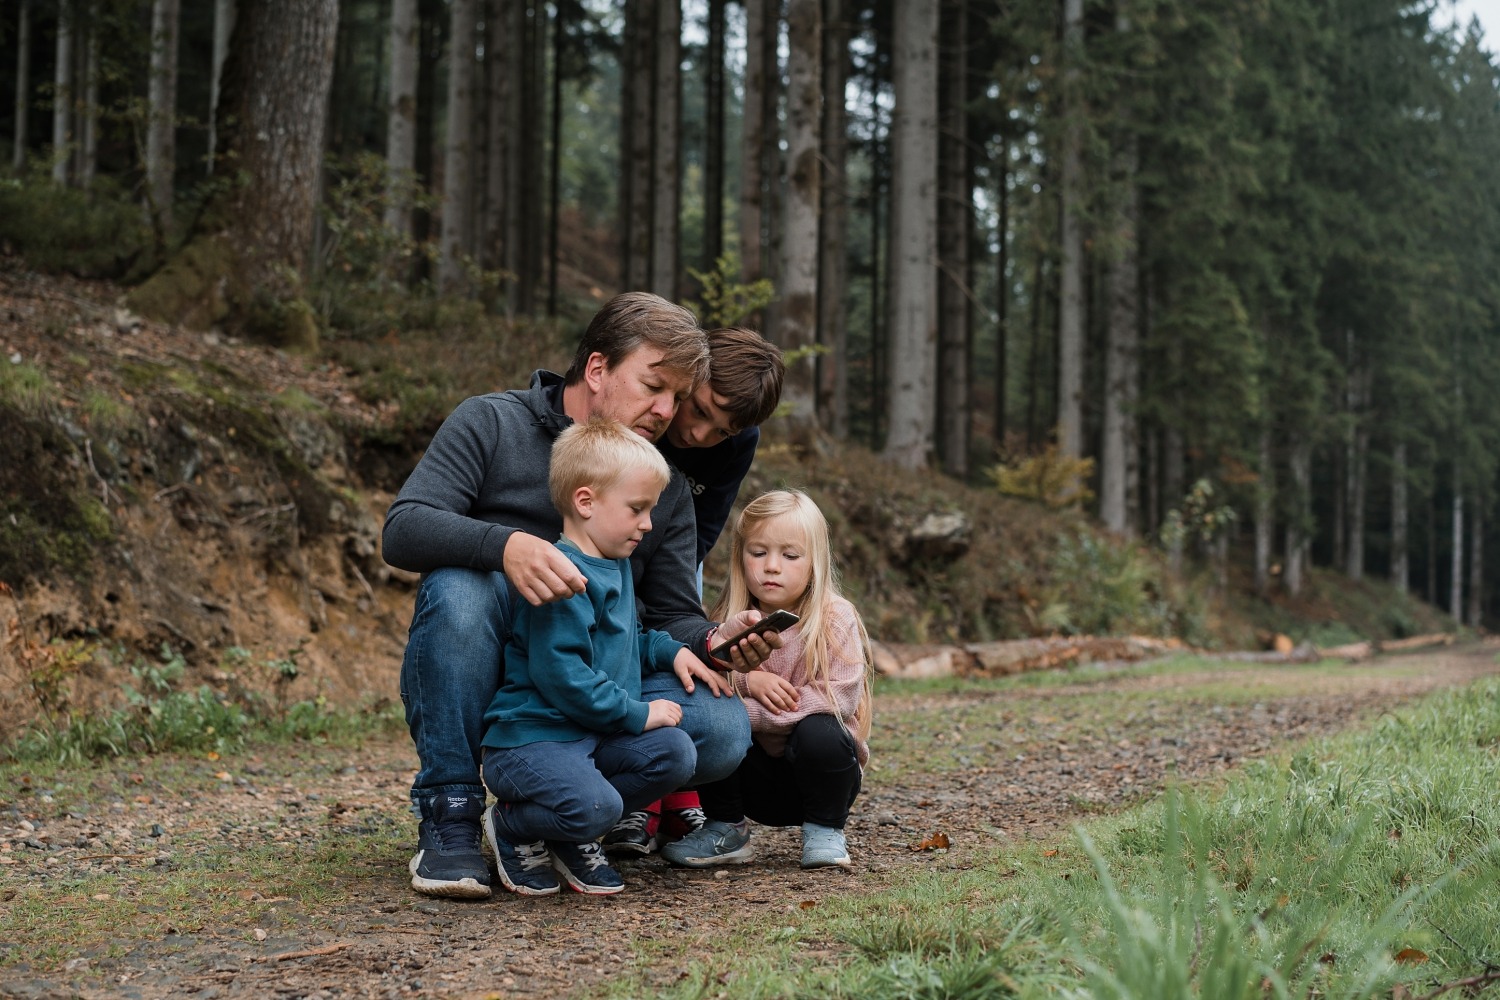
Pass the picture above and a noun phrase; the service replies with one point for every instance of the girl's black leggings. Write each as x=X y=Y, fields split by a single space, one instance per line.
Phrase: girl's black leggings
x=815 y=782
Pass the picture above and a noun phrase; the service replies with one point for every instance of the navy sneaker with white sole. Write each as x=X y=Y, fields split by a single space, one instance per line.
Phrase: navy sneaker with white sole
x=448 y=862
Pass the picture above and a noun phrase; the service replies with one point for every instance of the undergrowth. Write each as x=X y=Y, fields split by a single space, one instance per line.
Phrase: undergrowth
x=161 y=713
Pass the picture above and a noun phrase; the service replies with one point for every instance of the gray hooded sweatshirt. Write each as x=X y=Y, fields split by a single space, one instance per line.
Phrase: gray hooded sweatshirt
x=484 y=477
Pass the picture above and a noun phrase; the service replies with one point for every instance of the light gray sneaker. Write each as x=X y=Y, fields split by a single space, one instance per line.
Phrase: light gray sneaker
x=823 y=847
x=714 y=843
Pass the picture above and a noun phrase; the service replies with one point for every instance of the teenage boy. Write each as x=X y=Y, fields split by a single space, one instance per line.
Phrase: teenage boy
x=571 y=743
x=476 y=519
x=711 y=441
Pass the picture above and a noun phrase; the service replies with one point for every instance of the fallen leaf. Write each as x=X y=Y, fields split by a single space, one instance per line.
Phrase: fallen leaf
x=936 y=842
x=1411 y=956
x=1050 y=854
x=808 y=904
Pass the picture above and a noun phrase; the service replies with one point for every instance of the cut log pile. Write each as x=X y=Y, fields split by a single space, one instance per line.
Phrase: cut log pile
x=998 y=659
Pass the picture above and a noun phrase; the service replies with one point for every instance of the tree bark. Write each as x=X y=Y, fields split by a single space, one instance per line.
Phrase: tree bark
x=62 y=94
x=954 y=210
x=1301 y=514
x=458 y=148
x=666 y=155
x=496 y=136
x=713 y=153
x=1456 y=550
x=637 y=132
x=248 y=255
x=1400 y=518
x=1119 y=466
x=1476 y=568
x=1070 y=319
x=88 y=108
x=1265 y=513
x=1002 y=297
x=23 y=86
x=161 y=122
x=753 y=126
x=224 y=14
x=833 y=228
x=798 y=312
x=401 y=117
x=913 y=329
x=554 y=170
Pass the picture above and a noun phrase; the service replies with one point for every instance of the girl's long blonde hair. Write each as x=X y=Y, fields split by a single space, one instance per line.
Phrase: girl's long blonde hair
x=822 y=587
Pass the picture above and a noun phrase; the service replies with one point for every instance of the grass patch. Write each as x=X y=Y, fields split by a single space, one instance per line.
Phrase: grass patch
x=1354 y=867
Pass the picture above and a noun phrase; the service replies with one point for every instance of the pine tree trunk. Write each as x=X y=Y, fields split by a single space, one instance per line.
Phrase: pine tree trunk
x=497 y=137
x=833 y=226
x=1265 y=513
x=1456 y=549
x=161 y=123
x=528 y=157
x=1358 y=482
x=913 y=324
x=224 y=14
x=752 y=139
x=401 y=117
x=23 y=86
x=638 y=131
x=666 y=156
x=1002 y=298
x=1119 y=468
x=245 y=264
x=772 y=172
x=798 y=314
x=954 y=210
x=1301 y=513
x=1476 y=568
x=1400 y=517
x=62 y=94
x=713 y=127
x=1070 y=320
x=1432 y=559
x=88 y=108
x=554 y=170
x=457 y=148
x=515 y=27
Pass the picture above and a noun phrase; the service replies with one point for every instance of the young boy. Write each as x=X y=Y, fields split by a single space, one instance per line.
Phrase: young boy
x=570 y=745
x=711 y=440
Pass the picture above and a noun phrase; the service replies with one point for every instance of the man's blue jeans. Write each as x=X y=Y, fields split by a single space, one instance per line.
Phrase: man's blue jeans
x=455 y=653
x=577 y=791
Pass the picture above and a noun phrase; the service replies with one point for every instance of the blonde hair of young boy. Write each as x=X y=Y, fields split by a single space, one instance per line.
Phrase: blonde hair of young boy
x=598 y=454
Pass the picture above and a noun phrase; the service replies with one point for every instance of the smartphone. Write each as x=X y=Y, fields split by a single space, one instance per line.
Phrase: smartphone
x=776 y=621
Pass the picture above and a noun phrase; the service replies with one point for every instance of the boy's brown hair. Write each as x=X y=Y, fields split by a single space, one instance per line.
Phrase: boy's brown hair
x=747 y=370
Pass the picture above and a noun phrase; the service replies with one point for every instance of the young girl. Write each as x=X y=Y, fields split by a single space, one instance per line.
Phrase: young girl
x=809 y=704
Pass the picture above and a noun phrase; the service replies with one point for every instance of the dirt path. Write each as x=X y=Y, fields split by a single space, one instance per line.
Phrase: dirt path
x=994 y=766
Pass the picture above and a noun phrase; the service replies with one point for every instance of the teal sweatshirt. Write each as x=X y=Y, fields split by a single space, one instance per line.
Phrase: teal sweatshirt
x=574 y=667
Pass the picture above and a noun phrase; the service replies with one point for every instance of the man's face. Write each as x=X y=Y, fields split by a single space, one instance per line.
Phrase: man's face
x=701 y=421
x=640 y=396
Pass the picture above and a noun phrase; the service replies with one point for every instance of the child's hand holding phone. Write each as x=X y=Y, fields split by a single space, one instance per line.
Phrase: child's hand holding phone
x=778 y=621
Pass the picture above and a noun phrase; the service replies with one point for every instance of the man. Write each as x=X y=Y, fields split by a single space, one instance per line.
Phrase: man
x=477 y=520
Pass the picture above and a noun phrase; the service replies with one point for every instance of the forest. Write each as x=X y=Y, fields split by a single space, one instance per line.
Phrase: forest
x=1227 y=272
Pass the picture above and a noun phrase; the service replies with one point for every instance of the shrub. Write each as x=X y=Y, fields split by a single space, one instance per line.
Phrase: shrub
x=97 y=233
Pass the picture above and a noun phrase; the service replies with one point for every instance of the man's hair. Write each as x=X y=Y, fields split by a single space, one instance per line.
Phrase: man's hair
x=598 y=454
x=747 y=370
x=631 y=319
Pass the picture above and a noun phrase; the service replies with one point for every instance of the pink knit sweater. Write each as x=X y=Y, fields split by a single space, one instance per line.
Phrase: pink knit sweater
x=846 y=680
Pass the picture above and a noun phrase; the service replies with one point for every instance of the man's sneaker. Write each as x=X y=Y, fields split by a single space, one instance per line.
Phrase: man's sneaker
x=823 y=847
x=634 y=834
x=585 y=867
x=714 y=843
x=523 y=868
x=448 y=862
x=678 y=823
